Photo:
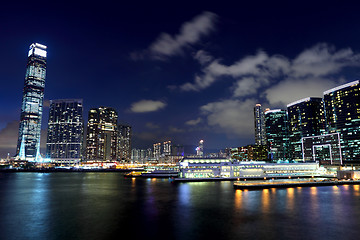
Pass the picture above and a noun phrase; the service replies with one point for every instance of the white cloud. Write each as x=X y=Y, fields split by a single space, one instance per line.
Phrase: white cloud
x=248 y=86
x=232 y=116
x=147 y=106
x=254 y=72
x=203 y=57
x=193 y=122
x=173 y=129
x=291 y=90
x=190 y=33
x=151 y=125
x=322 y=60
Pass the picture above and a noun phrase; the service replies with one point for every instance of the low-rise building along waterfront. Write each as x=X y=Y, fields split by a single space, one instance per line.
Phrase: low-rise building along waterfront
x=227 y=168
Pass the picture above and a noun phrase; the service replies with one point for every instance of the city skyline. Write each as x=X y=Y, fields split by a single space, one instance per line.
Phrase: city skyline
x=192 y=74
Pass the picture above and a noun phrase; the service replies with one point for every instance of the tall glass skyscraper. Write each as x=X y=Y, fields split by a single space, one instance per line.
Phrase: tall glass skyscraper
x=342 y=108
x=277 y=134
x=101 y=140
x=65 y=131
x=259 y=122
x=124 y=142
x=28 y=146
x=306 y=118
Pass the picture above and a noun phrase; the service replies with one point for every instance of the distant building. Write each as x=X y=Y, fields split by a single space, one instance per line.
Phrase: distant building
x=157 y=150
x=342 y=108
x=177 y=150
x=101 y=139
x=226 y=168
x=28 y=145
x=124 y=142
x=167 y=148
x=200 y=149
x=250 y=153
x=306 y=118
x=65 y=131
x=325 y=149
x=259 y=122
x=277 y=134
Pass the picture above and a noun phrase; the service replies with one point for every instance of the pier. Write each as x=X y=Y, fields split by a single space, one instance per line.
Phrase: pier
x=290 y=183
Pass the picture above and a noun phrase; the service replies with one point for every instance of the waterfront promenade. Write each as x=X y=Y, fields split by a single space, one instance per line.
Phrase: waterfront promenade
x=292 y=183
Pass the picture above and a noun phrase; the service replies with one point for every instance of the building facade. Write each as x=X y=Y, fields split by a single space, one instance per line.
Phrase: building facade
x=28 y=145
x=101 y=139
x=259 y=122
x=277 y=134
x=306 y=118
x=342 y=108
x=226 y=168
x=156 y=151
x=124 y=142
x=200 y=149
x=167 y=148
x=65 y=131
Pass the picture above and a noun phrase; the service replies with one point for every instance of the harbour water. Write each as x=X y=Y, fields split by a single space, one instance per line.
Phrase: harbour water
x=108 y=206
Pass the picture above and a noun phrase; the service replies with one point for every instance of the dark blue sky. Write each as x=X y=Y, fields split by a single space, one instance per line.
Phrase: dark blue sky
x=184 y=71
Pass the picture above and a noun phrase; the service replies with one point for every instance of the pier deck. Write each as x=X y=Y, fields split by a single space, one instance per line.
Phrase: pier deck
x=292 y=183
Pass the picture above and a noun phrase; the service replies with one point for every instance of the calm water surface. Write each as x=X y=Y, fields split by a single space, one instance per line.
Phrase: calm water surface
x=109 y=206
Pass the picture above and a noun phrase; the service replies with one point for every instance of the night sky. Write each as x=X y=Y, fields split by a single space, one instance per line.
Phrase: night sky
x=178 y=70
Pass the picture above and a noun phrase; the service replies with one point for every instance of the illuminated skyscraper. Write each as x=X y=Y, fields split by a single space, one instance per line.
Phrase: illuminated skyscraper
x=28 y=145
x=101 y=139
x=65 y=131
x=200 y=149
x=277 y=134
x=124 y=142
x=167 y=148
x=306 y=118
x=259 y=122
x=342 y=108
x=157 y=150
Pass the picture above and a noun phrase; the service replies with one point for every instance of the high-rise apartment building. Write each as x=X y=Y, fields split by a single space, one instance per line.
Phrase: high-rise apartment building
x=157 y=150
x=259 y=122
x=124 y=142
x=65 y=131
x=277 y=134
x=342 y=108
x=167 y=146
x=101 y=139
x=28 y=145
x=306 y=118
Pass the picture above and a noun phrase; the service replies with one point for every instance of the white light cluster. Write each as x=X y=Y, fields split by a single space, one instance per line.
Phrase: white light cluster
x=273 y=111
x=37 y=49
x=298 y=101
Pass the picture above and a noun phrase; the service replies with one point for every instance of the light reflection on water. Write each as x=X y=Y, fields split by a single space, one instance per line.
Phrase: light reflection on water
x=102 y=205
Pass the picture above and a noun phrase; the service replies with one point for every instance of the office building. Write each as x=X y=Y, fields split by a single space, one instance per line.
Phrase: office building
x=28 y=145
x=101 y=139
x=306 y=118
x=259 y=122
x=124 y=142
x=342 y=108
x=65 y=131
x=277 y=134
